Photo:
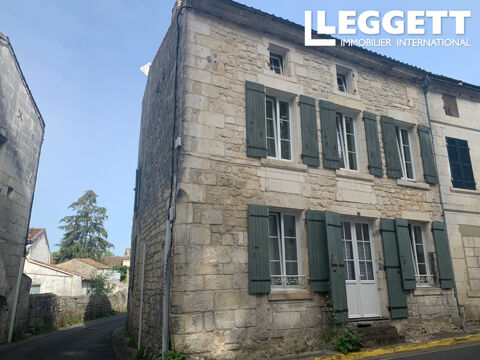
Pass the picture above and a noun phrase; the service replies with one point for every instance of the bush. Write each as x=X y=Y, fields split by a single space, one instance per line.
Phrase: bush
x=172 y=355
x=100 y=285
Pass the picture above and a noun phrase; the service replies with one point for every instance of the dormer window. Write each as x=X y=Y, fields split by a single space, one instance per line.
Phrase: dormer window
x=276 y=63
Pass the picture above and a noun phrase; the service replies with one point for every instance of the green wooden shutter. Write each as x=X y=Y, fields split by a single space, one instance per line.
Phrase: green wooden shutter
x=132 y=262
x=429 y=170
x=405 y=254
x=390 y=148
x=396 y=294
x=337 y=271
x=443 y=255
x=138 y=179
x=317 y=251
x=258 y=250
x=308 y=116
x=255 y=114
x=373 y=144
x=328 y=120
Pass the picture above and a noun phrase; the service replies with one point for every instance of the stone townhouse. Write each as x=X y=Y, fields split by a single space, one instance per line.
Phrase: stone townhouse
x=21 y=137
x=270 y=175
x=456 y=128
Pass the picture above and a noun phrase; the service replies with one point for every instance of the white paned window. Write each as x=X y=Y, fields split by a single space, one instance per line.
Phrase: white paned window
x=284 y=264
x=405 y=151
x=422 y=271
x=276 y=63
x=357 y=251
x=346 y=142
x=278 y=129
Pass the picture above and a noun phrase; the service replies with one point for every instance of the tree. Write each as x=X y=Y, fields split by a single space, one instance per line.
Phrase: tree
x=100 y=284
x=84 y=235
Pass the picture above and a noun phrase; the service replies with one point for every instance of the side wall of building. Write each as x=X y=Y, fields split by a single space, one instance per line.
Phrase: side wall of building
x=462 y=207
x=153 y=190
x=21 y=131
x=40 y=250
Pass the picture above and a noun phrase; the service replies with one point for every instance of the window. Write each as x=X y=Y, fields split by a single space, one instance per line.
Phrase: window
x=278 y=128
x=460 y=164
x=284 y=264
x=34 y=289
x=405 y=151
x=450 y=105
x=342 y=83
x=344 y=79
x=346 y=142
x=276 y=63
x=361 y=254
x=422 y=271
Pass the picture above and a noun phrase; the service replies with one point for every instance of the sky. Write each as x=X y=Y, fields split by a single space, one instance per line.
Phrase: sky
x=81 y=59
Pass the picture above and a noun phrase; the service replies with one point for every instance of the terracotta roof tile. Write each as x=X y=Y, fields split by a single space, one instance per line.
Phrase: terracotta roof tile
x=34 y=233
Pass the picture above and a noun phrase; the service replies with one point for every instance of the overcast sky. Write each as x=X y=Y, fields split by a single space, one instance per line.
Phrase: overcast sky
x=81 y=59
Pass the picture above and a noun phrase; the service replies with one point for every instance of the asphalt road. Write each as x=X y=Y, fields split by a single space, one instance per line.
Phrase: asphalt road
x=469 y=351
x=90 y=341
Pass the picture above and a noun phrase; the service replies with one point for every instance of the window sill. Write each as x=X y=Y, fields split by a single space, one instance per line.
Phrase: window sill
x=464 y=191
x=413 y=184
x=346 y=94
x=427 y=291
x=289 y=294
x=283 y=164
x=349 y=174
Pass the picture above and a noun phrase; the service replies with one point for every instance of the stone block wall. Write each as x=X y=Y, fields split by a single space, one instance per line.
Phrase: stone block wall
x=21 y=136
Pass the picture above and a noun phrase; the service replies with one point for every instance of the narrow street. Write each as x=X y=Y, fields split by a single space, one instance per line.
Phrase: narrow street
x=89 y=341
x=469 y=351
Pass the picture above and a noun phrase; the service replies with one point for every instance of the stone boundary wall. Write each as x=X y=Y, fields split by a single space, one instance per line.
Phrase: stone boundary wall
x=50 y=310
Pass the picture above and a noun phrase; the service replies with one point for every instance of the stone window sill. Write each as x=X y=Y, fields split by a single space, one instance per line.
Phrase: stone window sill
x=348 y=174
x=355 y=96
x=464 y=191
x=427 y=291
x=413 y=184
x=283 y=164
x=294 y=294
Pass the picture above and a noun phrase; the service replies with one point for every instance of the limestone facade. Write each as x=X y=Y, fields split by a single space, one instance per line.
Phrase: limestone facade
x=213 y=316
x=21 y=136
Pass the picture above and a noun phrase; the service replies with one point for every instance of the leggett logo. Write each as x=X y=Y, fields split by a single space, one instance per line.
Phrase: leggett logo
x=394 y=22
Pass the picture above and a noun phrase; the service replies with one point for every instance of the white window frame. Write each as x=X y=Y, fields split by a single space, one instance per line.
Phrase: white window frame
x=343 y=141
x=276 y=127
x=342 y=83
x=421 y=279
x=280 y=60
x=401 y=152
x=281 y=246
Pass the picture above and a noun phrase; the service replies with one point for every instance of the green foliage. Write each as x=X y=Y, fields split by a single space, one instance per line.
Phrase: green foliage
x=84 y=235
x=172 y=355
x=109 y=253
x=122 y=270
x=339 y=337
x=131 y=343
x=143 y=352
x=100 y=285
x=69 y=321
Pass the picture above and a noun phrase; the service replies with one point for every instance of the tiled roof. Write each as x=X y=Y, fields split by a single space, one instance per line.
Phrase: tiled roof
x=115 y=260
x=56 y=267
x=34 y=233
x=94 y=263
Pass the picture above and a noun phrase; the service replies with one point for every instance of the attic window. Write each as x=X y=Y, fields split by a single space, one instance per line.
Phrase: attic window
x=278 y=59
x=450 y=105
x=344 y=79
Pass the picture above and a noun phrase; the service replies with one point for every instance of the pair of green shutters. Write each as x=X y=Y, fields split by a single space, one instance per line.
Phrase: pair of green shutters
x=326 y=258
x=257 y=143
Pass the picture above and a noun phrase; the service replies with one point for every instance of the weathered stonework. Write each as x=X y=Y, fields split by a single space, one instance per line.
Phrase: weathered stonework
x=21 y=136
x=213 y=316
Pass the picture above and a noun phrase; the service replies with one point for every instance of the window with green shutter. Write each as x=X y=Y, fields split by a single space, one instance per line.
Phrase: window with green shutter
x=396 y=294
x=460 y=164
x=443 y=255
x=255 y=118
x=317 y=251
x=258 y=250
x=373 y=144
x=328 y=122
x=338 y=292
x=308 y=118
x=390 y=148
x=405 y=254
x=426 y=150
x=138 y=179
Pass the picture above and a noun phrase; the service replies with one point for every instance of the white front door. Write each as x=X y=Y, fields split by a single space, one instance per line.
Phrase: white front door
x=360 y=276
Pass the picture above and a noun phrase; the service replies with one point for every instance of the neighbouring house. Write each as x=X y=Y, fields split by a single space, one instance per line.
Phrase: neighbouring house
x=49 y=278
x=88 y=267
x=298 y=172
x=456 y=129
x=117 y=261
x=37 y=245
x=21 y=136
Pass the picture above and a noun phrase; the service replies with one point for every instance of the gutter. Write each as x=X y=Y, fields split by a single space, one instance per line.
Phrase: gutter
x=426 y=85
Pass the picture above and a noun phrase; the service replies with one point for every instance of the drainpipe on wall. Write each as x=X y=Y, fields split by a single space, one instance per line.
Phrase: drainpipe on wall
x=426 y=84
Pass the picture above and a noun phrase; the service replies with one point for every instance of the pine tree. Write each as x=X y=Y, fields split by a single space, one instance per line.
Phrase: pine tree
x=84 y=235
